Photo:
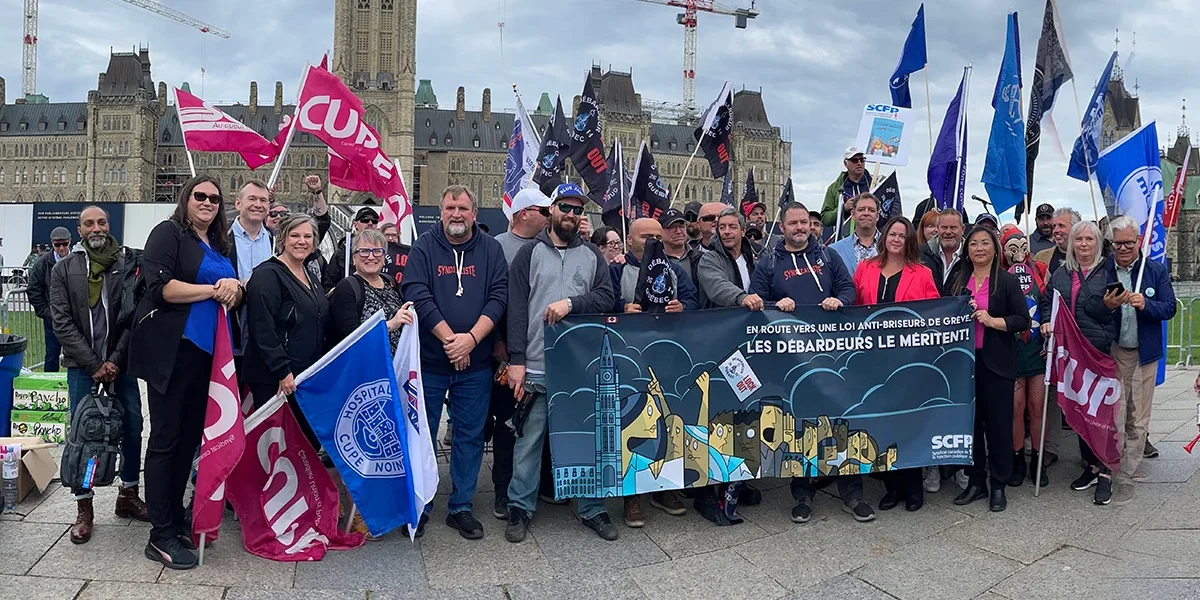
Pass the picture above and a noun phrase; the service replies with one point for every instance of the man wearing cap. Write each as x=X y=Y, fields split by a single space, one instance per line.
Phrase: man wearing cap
x=39 y=292
x=838 y=206
x=365 y=218
x=815 y=227
x=861 y=244
x=1043 y=237
x=691 y=212
x=986 y=219
x=675 y=244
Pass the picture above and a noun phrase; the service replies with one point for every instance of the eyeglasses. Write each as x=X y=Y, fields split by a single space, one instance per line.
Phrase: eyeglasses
x=860 y=159
x=278 y=214
x=61 y=244
x=541 y=210
x=708 y=218
x=569 y=208
x=613 y=244
x=368 y=252
x=1129 y=244
x=368 y=221
x=203 y=197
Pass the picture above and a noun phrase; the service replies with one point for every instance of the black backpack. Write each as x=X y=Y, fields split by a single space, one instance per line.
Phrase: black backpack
x=89 y=459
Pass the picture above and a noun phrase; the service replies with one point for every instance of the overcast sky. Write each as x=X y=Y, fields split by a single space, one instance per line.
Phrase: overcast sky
x=817 y=63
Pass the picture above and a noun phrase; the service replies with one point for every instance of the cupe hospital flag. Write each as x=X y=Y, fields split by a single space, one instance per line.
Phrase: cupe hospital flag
x=354 y=406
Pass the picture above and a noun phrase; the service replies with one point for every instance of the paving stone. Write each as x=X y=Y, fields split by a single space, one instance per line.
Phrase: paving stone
x=1183 y=546
x=774 y=514
x=570 y=547
x=250 y=593
x=113 y=554
x=692 y=534
x=31 y=502
x=1168 y=470
x=38 y=588
x=1178 y=510
x=1158 y=589
x=842 y=588
x=1062 y=574
x=841 y=550
x=898 y=527
x=910 y=573
x=391 y=562
x=226 y=563
x=452 y=561
x=62 y=508
x=717 y=575
x=23 y=544
x=119 y=590
x=1055 y=521
x=617 y=586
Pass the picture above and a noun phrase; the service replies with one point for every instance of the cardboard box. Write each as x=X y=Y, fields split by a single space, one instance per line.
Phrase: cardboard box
x=38 y=467
x=41 y=391
x=50 y=426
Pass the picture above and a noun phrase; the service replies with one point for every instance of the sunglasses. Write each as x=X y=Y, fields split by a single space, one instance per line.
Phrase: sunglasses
x=369 y=221
x=708 y=218
x=204 y=197
x=61 y=244
x=368 y=252
x=278 y=214
x=569 y=208
x=857 y=160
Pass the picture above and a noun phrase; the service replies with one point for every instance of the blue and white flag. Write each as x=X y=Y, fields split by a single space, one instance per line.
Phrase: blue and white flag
x=1087 y=146
x=407 y=364
x=912 y=59
x=522 y=157
x=1004 y=164
x=353 y=405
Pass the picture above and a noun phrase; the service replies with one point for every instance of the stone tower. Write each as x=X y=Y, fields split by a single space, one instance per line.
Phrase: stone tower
x=374 y=52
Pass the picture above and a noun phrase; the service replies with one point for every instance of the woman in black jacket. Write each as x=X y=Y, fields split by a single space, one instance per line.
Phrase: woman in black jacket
x=287 y=312
x=1081 y=280
x=186 y=274
x=1000 y=313
x=366 y=291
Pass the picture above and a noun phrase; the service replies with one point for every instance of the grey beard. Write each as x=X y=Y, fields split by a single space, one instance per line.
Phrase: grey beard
x=457 y=229
x=96 y=243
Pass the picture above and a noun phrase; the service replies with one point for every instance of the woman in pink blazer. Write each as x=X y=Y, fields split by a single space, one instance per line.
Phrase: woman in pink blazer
x=895 y=274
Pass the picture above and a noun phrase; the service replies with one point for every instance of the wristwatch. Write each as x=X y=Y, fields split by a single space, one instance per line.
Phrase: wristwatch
x=570 y=305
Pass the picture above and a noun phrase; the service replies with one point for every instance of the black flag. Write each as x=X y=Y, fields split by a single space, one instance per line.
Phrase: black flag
x=788 y=196
x=656 y=285
x=727 y=188
x=555 y=145
x=1050 y=71
x=587 y=149
x=713 y=132
x=650 y=196
x=888 y=194
x=749 y=193
x=616 y=197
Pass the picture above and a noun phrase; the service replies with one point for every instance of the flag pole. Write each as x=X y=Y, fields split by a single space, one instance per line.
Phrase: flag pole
x=536 y=138
x=1037 y=482
x=928 y=109
x=201 y=549
x=287 y=142
x=191 y=162
x=1148 y=233
x=685 y=171
x=625 y=203
x=1086 y=161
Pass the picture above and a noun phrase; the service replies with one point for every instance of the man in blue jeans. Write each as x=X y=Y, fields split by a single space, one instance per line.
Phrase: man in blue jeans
x=554 y=276
x=39 y=293
x=91 y=309
x=457 y=280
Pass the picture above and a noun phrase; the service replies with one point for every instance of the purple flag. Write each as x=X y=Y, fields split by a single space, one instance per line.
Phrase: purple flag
x=944 y=167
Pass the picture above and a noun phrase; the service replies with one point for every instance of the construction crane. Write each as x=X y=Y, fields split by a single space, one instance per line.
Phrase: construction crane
x=30 y=28
x=688 y=19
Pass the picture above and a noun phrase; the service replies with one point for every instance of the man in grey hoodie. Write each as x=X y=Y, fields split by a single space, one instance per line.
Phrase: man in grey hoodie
x=554 y=276
x=725 y=270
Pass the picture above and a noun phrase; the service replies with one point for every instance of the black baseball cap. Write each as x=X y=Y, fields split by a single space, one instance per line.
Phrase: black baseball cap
x=670 y=217
x=691 y=211
x=366 y=212
x=1044 y=209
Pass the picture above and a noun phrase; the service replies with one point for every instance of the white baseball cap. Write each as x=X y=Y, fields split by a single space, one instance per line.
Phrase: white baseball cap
x=529 y=197
x=851 y=152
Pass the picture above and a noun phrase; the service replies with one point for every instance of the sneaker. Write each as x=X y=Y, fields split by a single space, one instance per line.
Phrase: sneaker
x=961 y=479
x=448 y=437
x=668 y=502
x=466 y=524
x=1122 y=494
x=1150 y=451
x=171 y=553
x=634 y=517
x=1103 y=490
x=602 y=525
x=500 y=507
x=1139 y=474
x=518 y=525
x=933 y=480
x=1085 y=480
x=801 y=513
x=861 y=510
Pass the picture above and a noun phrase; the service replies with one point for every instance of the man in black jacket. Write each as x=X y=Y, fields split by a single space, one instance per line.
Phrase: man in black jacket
x=39 y=292
x=92 y=320
x=943 y=252
x=365 y=218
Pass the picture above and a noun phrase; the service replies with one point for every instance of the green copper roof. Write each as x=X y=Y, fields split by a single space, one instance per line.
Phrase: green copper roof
x=425 y=96
x=1190 y=201
x=187 y=87
x=544 y=106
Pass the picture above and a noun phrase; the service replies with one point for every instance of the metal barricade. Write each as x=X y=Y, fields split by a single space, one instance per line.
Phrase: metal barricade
x=17 y=317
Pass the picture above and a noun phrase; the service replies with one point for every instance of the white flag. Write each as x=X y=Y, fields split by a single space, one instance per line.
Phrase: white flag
x=407 y=363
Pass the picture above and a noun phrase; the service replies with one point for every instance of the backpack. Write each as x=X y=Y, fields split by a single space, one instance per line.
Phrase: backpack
x=89 y=459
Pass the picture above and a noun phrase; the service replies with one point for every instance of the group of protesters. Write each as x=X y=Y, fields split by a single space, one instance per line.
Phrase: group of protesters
x=482 y=301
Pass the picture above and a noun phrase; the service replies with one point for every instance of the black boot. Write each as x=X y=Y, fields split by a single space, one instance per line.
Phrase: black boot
x=1033 y=465
x=1018 y=469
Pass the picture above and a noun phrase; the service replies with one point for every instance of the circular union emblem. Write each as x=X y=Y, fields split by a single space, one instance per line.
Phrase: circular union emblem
x=366 y=434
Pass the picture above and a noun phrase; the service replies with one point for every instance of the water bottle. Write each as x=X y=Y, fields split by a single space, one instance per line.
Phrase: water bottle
x=12 y=466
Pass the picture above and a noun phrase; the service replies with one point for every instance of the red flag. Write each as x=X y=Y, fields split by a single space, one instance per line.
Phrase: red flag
x=224 y=436
x=1175 y=198
x=330 y=111
x=1087 y=383
x=207 y=129
x=284 y=497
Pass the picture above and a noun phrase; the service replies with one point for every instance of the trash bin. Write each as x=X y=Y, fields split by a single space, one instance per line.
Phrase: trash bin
x=12 y=352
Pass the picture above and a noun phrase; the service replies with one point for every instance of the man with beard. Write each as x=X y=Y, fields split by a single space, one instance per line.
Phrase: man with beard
x=815 y=227
x=555 y=275
x=798 y=271
x=691 y=213
x=838 y=207
x=1060 y=227
x=1043 y=237
x=943 y=252
x=365 y=218
x=676 y=246
x=39 y=293
x=91 y=303
x=457 y=280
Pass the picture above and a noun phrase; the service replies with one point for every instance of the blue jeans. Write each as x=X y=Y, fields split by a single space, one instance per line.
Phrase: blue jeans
x=470 y=394
x=125 y=388
x=53 y=349
x=527 y=462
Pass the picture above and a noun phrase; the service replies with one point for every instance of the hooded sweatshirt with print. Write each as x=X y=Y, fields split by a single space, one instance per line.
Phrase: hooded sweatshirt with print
x=455 y=283
x=807 y=277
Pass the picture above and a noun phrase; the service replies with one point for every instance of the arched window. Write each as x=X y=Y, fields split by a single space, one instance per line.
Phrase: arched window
x=79 y=175
x=122 y=173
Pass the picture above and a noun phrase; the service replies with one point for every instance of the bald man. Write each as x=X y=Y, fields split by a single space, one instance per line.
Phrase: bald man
x=625 y=279
x=708 y=222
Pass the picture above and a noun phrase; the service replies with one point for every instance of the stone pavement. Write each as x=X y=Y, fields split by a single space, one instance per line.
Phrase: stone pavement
x=1058 y=545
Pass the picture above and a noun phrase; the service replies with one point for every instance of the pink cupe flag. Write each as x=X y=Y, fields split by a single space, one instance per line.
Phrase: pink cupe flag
x=224 y=437
x=207 y=129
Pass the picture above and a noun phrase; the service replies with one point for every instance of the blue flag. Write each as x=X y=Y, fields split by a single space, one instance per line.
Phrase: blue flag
x=912 y=59
x=353 y=405
x=1087 y=146
x=1004 y=164
x=522 y=157
x=943 y=161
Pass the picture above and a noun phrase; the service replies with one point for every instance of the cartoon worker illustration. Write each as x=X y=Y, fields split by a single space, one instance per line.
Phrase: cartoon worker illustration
x=775 y=427
x=645 y=443
x=695 y=441
x=746 y=435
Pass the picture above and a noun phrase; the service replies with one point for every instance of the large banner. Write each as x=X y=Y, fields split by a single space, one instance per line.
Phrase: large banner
x=641 y=402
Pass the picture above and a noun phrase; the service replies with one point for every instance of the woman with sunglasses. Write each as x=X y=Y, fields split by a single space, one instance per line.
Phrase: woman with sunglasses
x=186 y=278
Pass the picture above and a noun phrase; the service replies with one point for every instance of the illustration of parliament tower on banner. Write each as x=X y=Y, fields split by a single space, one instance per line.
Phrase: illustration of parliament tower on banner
x=608 y=424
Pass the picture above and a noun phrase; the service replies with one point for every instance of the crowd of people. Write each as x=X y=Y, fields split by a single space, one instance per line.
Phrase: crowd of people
x=482 y=301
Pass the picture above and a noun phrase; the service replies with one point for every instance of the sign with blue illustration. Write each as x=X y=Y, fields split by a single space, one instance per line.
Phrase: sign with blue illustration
x=648 y=402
